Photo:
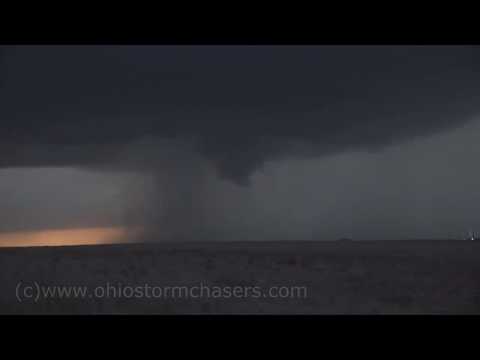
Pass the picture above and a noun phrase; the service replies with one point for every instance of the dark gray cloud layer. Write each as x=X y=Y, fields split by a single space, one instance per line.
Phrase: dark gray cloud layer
x=239 y=106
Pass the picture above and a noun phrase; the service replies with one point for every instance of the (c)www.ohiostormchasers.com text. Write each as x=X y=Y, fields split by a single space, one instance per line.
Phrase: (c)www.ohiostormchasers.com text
x=36 y=291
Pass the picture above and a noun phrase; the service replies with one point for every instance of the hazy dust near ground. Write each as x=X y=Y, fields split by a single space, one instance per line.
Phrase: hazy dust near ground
x=336 y=278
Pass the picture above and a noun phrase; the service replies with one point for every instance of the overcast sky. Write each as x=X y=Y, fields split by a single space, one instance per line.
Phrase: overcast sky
x=242 y=142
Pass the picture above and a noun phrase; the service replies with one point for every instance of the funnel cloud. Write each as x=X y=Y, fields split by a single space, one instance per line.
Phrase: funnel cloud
x=207 y=127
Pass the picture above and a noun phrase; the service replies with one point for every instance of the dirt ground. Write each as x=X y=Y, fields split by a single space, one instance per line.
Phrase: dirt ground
x=324 y=277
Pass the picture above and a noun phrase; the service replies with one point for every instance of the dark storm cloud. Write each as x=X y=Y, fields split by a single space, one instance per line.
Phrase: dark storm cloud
x=240 y=106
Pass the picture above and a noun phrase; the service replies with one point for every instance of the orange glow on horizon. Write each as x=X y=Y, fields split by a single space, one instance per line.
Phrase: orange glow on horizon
x=65 y=237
